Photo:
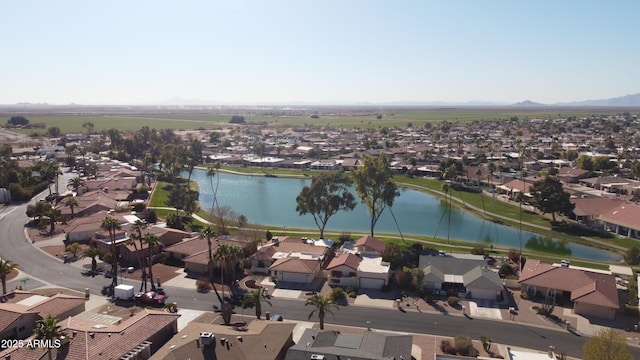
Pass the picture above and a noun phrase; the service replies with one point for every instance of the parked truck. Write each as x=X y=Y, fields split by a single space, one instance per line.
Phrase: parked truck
x=123 y=292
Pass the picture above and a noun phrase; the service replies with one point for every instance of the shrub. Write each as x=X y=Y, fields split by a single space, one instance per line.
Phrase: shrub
x=337 y=293
x=479 y=250
x=464 y=345
x=444 y=344
x=203 y=284
x=453 y=301
x=353 y=294
x=506 y=270
x=451 y=350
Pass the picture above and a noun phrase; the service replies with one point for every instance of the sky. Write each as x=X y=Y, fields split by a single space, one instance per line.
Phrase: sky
x=328 y=51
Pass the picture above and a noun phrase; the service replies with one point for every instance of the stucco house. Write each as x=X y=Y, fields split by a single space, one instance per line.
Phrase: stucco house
x=467 y=277
x=591 y=293
x=19 y=311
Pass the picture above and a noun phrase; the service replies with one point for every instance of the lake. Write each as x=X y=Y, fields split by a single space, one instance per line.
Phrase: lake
x=272 y=201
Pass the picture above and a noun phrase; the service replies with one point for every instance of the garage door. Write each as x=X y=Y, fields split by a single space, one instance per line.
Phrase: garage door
x=369 y=283
x=294 y=277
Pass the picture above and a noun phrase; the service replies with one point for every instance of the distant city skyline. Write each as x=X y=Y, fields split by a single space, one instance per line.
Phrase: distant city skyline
x=325 y=52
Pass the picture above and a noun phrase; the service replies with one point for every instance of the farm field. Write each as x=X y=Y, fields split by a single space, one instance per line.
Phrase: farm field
x=340 y=117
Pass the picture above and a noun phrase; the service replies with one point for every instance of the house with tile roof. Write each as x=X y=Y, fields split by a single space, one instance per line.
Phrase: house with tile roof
x=268 y=340
x=298 y=260
x=370 y=244
x=194 y=251
x=343 y=270
x=20 y=310
x=588 y=209
x=136 y=337
x=592 y=294
x=467 y=277
x=326 y=344
x=622 y=219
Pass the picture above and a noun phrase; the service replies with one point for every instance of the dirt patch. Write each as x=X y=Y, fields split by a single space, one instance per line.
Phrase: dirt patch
x=55 y=250
x=36 y=235
x=162 y=271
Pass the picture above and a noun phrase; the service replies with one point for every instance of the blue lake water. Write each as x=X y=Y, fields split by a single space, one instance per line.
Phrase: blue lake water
x=272 y=201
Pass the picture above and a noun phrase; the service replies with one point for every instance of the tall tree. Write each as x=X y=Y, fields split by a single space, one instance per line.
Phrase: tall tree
x=550 y=197
x=327 y=194
x=76 y=183
x=136 y=234
x=152 y=241
x=6 y=267
x=72 y=203
x=323 y=305
x=208 y=233
x=226 y=256
x=48 y=330
x=608 y=344
x=111 y=225
x=92 y=252
x=254 y=298
x=375 y=186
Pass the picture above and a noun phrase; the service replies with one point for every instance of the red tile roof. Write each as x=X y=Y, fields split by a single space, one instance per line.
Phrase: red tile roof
x=296 y=265
x=371 y=242
x=625 y=214
x=350 y=260
x=585 y=286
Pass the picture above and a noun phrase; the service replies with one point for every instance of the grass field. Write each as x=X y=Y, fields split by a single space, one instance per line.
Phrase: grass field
x=339 y=118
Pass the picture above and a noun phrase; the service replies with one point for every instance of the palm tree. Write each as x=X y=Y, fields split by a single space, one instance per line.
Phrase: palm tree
x=224 y=255
x=254 y=297
x=6 y=267
x=208 y=233
x=323 y=305
x=54 y=216
x=111 y=225
x=152 y=241
x=136 y=234
x=76 y=183
x=73 y=248
x=71 y=203
x=92 y=252
x=48 y=330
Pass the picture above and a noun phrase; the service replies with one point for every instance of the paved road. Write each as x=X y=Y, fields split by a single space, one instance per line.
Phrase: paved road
x=41 y=268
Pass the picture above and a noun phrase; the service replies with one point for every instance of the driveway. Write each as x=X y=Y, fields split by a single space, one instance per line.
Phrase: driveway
x=485 y=309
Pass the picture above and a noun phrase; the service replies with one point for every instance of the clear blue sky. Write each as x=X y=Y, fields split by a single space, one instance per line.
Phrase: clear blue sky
x=142 y=52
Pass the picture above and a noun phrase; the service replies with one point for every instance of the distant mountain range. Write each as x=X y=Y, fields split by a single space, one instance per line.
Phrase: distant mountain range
x=627 y=100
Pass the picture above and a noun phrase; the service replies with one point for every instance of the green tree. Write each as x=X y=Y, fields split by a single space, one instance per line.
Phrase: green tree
x=323 y=305
x=53 y=131
x=327 y=195
x=72 y=203
x=76 y=183
x=550 y=197
x=53 y=216
x=174 y=221
x=585 y=162
x=152 y=241
x=92 y=252
x=73 y=248
x=226 y=256
x=48 y=330
x=18 y=120
x=607 y=344
x=254 y=298
x=632 y=256
x=6 y=267
x=635 y=169
x=111 y=225
x=208 y=233
x=375 y=186
x=136 y=234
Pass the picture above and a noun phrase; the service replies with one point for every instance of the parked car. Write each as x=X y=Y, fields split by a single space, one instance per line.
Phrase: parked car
x=151 y=298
